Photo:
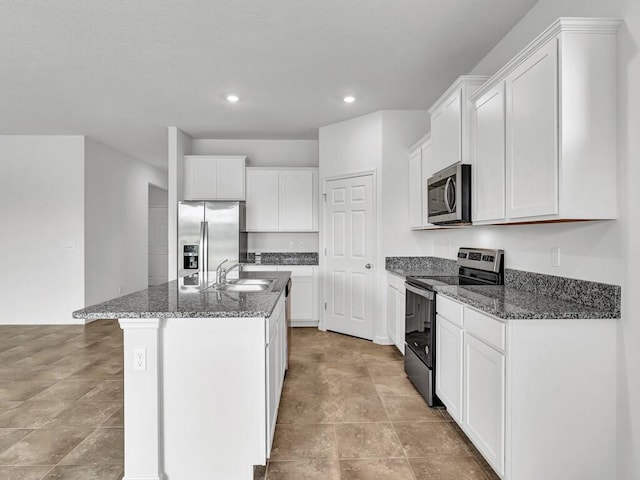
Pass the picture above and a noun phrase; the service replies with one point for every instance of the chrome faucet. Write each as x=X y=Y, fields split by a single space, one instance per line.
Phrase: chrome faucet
x=225 y=272
x=220 y=270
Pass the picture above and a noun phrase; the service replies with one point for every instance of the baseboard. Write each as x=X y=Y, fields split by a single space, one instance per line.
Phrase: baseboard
x=304 y=323
x=383 y=341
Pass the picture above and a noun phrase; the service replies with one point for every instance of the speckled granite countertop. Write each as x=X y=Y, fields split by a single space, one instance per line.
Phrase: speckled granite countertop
x=510 y=304
x=178 y=299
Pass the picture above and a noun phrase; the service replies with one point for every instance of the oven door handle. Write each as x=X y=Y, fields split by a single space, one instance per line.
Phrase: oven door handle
x=419 y=291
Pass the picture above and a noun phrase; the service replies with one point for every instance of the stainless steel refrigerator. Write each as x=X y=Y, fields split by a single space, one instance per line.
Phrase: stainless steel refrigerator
x=208 y=233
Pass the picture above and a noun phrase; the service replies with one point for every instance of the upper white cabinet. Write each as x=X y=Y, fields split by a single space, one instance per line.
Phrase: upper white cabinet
x=420 y=166
x=555 y=137
x=450 y=124
x=282 y=200
x=214 y=177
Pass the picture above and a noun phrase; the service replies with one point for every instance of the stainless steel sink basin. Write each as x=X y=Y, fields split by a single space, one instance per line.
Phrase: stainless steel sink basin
x=250 y=281
x=245 y=285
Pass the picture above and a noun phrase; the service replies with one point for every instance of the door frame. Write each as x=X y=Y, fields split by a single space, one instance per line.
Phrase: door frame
x=322 y=261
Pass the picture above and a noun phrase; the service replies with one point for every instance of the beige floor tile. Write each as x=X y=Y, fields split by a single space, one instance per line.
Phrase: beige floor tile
x=302 y=386
x=394 y=386
x=305 y=409
x=385 y=369
x=31 y=414
x=376 y=469
x=367 y=440
x=447 y=468
x=23 y=473
x=115 y=420
x=69 y=391
x=43 y=447
x=345 y=370
x=307 y=370
x=425 y=439
x=410 y=408
x=9 y=436
x=385 y=354
x=351 y=386
x=107 y=391
x=84 y=415
x=303 y=441
x=335 y=355
x=104 y=446
x=86 y=472
x=349 y=409
x=311 y=469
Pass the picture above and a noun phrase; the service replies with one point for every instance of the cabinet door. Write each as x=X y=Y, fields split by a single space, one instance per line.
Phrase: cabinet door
x=426 y=158
x=272 y=354
x=415 y=190
x=453 y=130
x=262 y=200
x=488 y=168
x=200 y=178
x=298 y=205
x=301 y=297
x=391 y=312
x=484 y=387
x=231 y=178
x=438 y=140
x=400 y=330
x=532 y=135
x=449 y=366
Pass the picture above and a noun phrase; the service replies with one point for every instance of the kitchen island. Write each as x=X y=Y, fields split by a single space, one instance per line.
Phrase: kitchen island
x=203 y=373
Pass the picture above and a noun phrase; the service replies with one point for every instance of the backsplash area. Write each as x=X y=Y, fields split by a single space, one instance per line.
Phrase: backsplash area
x=593 y=294
x=285 y=258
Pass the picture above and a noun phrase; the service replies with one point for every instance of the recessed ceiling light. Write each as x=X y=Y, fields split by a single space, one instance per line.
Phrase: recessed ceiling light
x=232 y=98
x=349 y=99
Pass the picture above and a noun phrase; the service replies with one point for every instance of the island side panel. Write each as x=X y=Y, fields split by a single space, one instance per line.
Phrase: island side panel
x=141 y=399
x=213 y=397
x=561 y=399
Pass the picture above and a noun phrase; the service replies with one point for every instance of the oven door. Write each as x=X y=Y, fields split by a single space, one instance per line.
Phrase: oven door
x=419 y=323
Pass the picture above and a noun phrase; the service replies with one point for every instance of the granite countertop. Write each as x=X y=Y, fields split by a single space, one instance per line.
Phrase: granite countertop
x=184 y=298
x=510 y=303
x=284 y=258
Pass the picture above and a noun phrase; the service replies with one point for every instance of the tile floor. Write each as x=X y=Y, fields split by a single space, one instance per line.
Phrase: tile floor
x=61 y=399
x=347 y=411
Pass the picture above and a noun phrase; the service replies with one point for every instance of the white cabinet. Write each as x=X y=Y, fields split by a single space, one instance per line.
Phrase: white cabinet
x=305 y=310
x=488 y=169
x=510 y=384
x=396 y=310
x=556 y=132
x=214 y=177
x=282 y=200
x=420 y=169
x=484 y=389
x=275 y=357
x=450 y=123
x=262 y=200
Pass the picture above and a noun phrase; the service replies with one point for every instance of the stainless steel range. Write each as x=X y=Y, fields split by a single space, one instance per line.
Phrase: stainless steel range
x=476 y=266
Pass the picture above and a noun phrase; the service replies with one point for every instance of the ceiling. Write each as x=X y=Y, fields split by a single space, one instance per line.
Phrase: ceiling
x=122 y=71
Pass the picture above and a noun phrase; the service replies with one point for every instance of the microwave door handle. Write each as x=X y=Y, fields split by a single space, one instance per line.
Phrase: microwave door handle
x=446 y=194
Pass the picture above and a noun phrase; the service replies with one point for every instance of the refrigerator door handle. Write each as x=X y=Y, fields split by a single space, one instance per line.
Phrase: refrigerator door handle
x=204 y=257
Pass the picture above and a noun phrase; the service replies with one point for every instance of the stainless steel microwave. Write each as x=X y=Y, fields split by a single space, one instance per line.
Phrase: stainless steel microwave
x=449 y=195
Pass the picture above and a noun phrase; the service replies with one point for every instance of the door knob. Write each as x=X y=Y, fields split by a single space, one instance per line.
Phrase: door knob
x=368 y=266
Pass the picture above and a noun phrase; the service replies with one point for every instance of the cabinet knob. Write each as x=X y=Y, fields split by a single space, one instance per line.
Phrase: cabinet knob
x=368 y=266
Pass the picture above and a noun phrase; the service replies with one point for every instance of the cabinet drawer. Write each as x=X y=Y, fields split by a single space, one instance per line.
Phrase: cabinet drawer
x=485 y=328
x=449 y=309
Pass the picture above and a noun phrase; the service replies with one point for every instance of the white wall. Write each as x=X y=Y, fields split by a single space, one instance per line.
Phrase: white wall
x=179 y=145
x=378 y=142
x=600 y=251
x=262 y=153
x=42 y=223
x=116 y=221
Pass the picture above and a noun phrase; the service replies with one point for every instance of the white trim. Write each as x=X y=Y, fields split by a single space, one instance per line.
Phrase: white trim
x=461 y=81
x=139 y=323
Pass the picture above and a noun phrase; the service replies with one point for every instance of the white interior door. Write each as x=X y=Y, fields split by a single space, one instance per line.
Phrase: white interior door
x=349 y=241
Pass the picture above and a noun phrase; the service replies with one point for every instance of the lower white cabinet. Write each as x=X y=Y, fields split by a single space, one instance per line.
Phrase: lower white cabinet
x=449 y=366
x=484 y=399
x=533 y=395
x=304 y=292
x=396 y=310
x=276 y=359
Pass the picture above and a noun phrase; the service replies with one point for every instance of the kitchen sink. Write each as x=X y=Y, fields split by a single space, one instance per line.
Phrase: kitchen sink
x=245 y=285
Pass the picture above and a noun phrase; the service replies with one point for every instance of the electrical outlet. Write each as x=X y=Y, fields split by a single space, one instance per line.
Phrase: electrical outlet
x=291 y=244
x=555 y=257
x=120 y=290
x=140 y=359
x=301 y=245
